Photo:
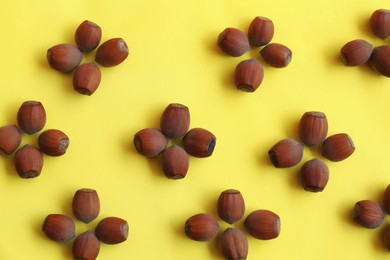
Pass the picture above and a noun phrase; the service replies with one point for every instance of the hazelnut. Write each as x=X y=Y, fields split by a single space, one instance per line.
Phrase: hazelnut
x=356 y=52
x=31 y=116
x=233 y=244
x=276 y=55
x=28 y=161
x=53 y=142
x=175 y=120
x=199 y=142
x=86 y=246
x=231 y=206
x=380 y=23
x=201 y=227
x=314 y=175
x=263 y=224
x=286 y=153
x=386 y=237
x=112 y=52
x=380 y=60
x=150 y=142
x=86 y=78
x=64 y=57
x=261 y=31
x=386 y=199
x=337 y=147
x=175 y=162
x=58 y=227
x=88 y=36
x=10 y=138
x=233 y=42
x=86 y=205
x=248 y=75
x=313 y=128
x=368 y=213
x=112 y=230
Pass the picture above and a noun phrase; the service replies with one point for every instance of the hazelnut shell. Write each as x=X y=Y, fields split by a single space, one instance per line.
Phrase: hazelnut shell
x=276 y=55
x=64 y=57
x=313 y=128
x=53 y=142
x=86 y=78
x=337 y=147
x=10 y=138
x=150 y=142
x=380 y=60
x=31 y=116
x=263 y=224
x=86 y=246
x=175 y=162
x=199 y=142
x=86 y=205
x=112 y=52
x=112 y=230
x=261 y=31
x=175 y=121
x=88 y=35
x=286 y=153
x=356 y=52
x=314 y=175
x=231 y=206
x=248 y=75
x=233 y=244
x=233 y=42
x=380 y=23
x=368 y=213
x=58 y=227
x=28 y=161
x=201 y=227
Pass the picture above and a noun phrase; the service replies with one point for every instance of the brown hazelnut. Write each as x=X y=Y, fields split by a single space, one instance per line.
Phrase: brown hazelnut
x=53 y=142
x=261 y=31
x=175 y=120
x=380 y=60
x=112 y=52
x=276 y=55
x=86 y=78
x=356 y=52
x=201 y=227
x=313 y=128
x=28 y=161
x=314 y=175
x=263 y=224
x=386 y=237
x=150 y=142
x=380 y=23
x=231 y=206
x=337 y=147
x=233 y=244
x=233 y=42
x=248 y=75
x=175 y=162
x=10 y=138
x=86 y=246
x=386 y=199
x=368 y=213
x=86 y=205
x=58 y=227
x=199 y=142
x=31 y=116
x=64 y=57
x=112 y=230
x=286 y=153
x=88 y=36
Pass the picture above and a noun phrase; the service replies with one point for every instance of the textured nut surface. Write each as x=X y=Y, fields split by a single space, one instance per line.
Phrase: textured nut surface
x=337 y=147
x=53 y=142
x=64 y=57
x=231 y=206
x=248 y=75
x=28 y=161
x=356 y=52
x=380 y=60
x=112 y=52
x=233 y=42
x=276 y=55
x=263 y=224
x=386 y=237
x=261 y=31
x=31 y=116
x=175 y=162
x=201 y=227
x=86 y=246
x=380 y=23
x=86 y=205
x=368 y=213
x=175 y=120
x=10 y=138
x=233 y=244
x=86 y=78
x=150 y=142
x=314 y=175
x=88 y=35
x=313 y=128
x=58 y=227
x=199 y=142
x=386 y=199
x=112 y=230
x=286 y=153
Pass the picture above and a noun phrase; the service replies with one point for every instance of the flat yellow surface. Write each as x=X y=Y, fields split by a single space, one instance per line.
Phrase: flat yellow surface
x=174 y=58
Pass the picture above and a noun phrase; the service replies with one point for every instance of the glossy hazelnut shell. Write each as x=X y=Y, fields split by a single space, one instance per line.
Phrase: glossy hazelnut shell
x=233 y=244
x=86 y=78
x=314 y=175
x=313 y=128
x=261 y=31
x=368 y=213
x=338 y=147
x=199 y=142
x=86 y=246
x=86 y=205
x=286 y=153
x=53 y=142
x=64 y=57
x=58 y=227
x=10 y=139
x=233 y=42
x=276 y=55
x=112 y=52
x=248 y=75
x=201 y=227
x=112 y=230
x=175 y=162
x=28 y=161
x=150 y=142
x=175 y=120
x=31 y=116
x=88 y=35
x=231 y=206
x=263 y=224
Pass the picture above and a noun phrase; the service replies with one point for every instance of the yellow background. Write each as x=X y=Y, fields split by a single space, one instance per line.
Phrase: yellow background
x=174 y=58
